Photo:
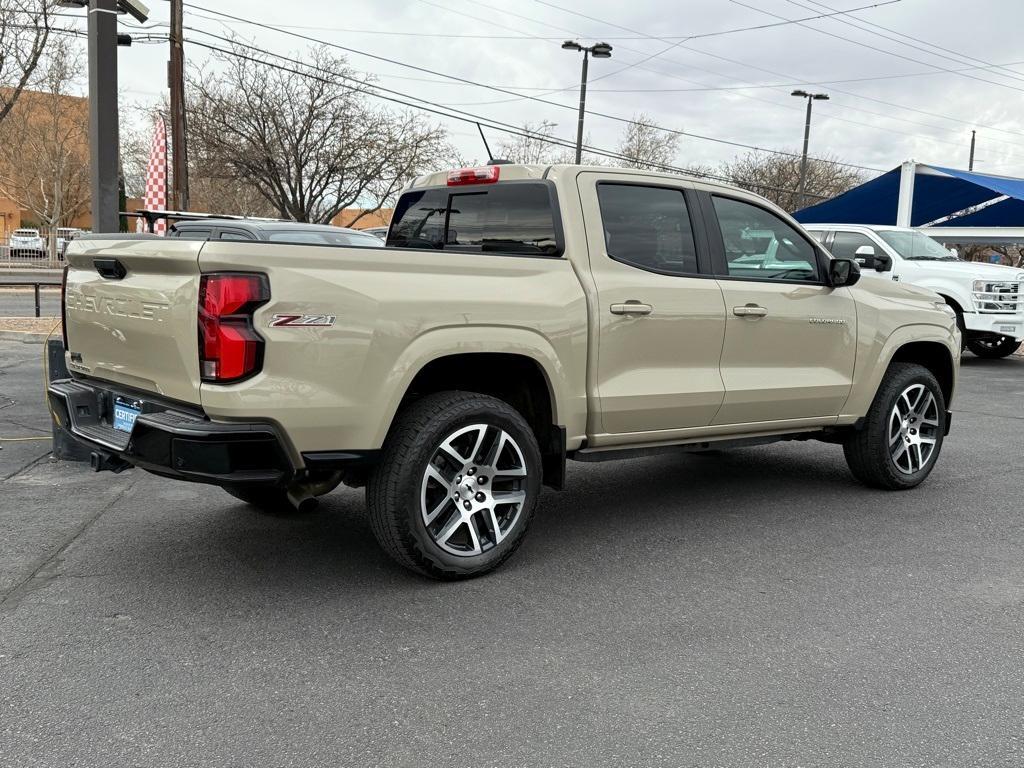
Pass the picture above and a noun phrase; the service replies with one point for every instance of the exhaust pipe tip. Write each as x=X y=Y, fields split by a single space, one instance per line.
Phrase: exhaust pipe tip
x=302 y=501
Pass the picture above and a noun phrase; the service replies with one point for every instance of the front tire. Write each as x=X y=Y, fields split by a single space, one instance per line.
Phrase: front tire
x=994 y=348
x=457 y=485
x=903 y=431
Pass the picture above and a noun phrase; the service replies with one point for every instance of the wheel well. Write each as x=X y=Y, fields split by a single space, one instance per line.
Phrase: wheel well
x=518 y=380
x=933 y=356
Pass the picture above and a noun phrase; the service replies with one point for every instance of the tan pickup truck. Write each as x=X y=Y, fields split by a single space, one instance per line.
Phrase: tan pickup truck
x=518 y=316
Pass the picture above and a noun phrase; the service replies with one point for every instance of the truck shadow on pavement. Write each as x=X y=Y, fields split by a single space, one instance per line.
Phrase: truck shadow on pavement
x=607 y=507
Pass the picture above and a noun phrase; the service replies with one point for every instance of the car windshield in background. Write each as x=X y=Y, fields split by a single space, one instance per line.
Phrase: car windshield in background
x=325 y=238
x=509 y=218
x=915 y=246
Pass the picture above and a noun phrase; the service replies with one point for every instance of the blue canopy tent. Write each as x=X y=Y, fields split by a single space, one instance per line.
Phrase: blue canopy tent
x=946 y=203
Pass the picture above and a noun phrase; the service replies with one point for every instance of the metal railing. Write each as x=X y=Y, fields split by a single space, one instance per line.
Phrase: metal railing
x=36 y=285
x=46 y=253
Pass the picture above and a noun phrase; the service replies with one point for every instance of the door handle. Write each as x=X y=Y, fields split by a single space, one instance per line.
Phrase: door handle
x=750 y=310
x=631 y=307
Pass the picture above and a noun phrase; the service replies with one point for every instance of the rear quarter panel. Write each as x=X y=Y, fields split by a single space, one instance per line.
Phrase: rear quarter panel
x=338 y=387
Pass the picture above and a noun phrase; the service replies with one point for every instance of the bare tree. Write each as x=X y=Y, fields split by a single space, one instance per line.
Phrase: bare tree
x=646 y=146
x=44 y=147
x=777 y=177
x=536 y=144
x=24 y=32
x=309 y=142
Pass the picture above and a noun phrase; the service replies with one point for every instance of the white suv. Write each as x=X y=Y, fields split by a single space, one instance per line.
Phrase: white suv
x=27 y=243
x=986 y=297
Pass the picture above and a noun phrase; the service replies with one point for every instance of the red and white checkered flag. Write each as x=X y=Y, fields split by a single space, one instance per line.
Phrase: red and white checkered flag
x=155 y=196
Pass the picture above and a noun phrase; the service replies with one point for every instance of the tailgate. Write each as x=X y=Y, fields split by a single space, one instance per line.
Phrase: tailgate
x=131 y=313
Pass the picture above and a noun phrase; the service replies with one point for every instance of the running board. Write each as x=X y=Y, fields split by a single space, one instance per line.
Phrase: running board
x=617 y=452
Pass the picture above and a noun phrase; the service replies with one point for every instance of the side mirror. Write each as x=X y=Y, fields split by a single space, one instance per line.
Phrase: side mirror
x=865 y=256
x=843 y=272
x=883 y=263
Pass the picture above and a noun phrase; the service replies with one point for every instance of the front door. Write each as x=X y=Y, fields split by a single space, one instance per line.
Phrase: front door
x=660 y=315
x=790 y=339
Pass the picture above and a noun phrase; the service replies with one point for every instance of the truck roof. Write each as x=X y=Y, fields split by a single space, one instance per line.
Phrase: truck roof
x=518 y=172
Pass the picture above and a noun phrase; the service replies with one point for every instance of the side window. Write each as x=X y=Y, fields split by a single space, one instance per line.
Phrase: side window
x=845 y=244
x=234 y=234
x=817 y=234
x=192 y=234
x=759 y=245
x=648 y=228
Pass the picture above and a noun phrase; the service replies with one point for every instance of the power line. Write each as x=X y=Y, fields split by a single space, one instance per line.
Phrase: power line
x=443 y=111
x=616 y=118
x=738 y=91
x=777 y=74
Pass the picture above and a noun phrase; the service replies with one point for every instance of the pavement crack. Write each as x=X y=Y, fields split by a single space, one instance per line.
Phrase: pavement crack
x=26 y=467
x=13 y=595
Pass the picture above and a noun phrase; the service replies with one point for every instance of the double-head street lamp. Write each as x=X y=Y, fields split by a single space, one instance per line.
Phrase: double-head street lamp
x=811 y=98
x=598 y=51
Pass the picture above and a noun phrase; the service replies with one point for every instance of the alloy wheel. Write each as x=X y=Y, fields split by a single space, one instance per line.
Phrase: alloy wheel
x=473 y=490
x=913 y=429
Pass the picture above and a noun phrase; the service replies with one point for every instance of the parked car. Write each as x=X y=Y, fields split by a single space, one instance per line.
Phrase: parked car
x=64 y=236
x=987 y=298
x=26 y=244
x=272 y=232
x=519 y=316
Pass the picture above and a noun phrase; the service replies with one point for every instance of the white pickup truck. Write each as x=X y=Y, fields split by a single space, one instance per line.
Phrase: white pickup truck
x=986 y=297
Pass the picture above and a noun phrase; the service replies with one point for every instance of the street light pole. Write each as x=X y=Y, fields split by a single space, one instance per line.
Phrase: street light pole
x=970 y=162
x=599 y=51
x=583 y=107
x=104 y=140
x=811 y=97
x=176 y=75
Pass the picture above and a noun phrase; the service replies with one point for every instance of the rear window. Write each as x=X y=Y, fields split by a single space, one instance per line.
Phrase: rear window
x=25 y=233
x=513 y=218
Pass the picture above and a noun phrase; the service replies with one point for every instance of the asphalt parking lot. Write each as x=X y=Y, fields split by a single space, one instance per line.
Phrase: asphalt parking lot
x=755 y=608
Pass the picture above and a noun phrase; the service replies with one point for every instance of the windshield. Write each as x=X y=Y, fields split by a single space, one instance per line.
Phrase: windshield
x=915 y=246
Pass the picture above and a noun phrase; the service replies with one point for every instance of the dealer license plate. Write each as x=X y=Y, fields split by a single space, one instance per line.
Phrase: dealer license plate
x=125 y=414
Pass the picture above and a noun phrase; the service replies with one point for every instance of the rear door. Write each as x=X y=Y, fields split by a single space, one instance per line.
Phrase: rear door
x=661 y=316
x=790 y=339
x=131 y=308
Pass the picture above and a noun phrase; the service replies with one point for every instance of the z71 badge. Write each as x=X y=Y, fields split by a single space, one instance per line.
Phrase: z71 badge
x=303 y=321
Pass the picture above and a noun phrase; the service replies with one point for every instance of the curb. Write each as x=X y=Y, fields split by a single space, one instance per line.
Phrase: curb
x=25 y=337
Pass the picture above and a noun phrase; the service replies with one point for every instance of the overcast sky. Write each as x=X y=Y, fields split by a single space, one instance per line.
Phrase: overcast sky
x=712 y=85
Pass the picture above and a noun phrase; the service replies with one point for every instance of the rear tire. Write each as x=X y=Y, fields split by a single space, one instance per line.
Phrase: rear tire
x=993 y=348
x=903 y=430
x=457 y=485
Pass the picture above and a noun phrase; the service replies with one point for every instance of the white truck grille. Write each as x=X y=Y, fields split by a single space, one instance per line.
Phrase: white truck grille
x=999 y=297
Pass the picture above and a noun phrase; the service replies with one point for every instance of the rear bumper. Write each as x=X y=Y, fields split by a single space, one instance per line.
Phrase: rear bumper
x=170 y=439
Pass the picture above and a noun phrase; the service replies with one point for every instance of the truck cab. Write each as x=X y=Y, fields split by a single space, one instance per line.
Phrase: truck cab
x=987 y=298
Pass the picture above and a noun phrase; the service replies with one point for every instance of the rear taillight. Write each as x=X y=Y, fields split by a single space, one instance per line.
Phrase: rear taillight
x=229 y=347
x=485 y=175
x=64 y=307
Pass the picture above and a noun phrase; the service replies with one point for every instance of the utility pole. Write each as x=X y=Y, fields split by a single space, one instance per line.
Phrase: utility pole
x=104 y=139
x=811 y=97
x=176 y=82
x=970 y=163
